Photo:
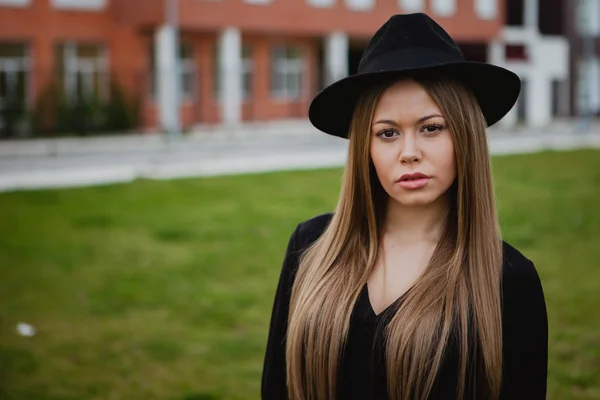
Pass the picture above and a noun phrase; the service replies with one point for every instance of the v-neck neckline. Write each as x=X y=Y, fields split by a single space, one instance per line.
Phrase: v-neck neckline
x=385 y=310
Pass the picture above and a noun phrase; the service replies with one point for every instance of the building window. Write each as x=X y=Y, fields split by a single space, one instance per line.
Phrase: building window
x=586 y=17
x=588 y=95
x=187 y=71
x=486 y=9
x=287 y=72
x=14 y=70
x=83 y=70
x=80 y=4
x=247 y=73
x=516 y=52
x=187 y=68
x=15 y=3
x=444 y=8
x=15 y=65
x=321 y=3
x=360 y=5
x=411 y=6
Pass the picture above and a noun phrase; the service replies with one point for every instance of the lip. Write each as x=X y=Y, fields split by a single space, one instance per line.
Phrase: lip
x=413 y=176
x=416 y=180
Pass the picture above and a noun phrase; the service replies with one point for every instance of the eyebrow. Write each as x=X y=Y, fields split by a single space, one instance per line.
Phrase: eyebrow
x=419 y=121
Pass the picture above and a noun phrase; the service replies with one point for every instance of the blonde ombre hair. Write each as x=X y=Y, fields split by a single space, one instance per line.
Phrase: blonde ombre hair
x=457 y=299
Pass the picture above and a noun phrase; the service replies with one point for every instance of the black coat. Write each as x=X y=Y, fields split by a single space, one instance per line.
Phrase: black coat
x=524 y=324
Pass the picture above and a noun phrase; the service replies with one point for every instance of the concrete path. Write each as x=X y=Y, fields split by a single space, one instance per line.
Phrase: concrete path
x=283 y=145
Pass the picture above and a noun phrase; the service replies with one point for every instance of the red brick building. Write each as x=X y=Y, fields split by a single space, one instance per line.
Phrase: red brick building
x=263 y=59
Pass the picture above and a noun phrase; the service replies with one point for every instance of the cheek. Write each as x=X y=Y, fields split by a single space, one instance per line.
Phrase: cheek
x=382 y=161
x=446 y=160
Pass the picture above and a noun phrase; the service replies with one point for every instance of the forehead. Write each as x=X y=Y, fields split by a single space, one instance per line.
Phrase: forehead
x=405 y=99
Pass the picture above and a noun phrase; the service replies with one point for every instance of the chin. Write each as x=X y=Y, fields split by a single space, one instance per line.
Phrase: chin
x=413 y=202
x=415 y=199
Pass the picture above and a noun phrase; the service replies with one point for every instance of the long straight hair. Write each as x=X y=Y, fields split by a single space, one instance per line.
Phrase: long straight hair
x=455 y=301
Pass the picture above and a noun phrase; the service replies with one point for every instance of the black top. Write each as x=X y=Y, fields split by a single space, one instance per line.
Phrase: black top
x=362 y=369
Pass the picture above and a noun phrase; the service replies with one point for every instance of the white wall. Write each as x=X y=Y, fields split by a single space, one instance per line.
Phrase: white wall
x=547 y=61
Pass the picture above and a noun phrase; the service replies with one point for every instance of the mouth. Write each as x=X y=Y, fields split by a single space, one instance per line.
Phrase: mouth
x=413 y=181
x=412 y=177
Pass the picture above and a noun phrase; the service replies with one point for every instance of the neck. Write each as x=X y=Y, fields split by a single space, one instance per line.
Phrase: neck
x=417 y=223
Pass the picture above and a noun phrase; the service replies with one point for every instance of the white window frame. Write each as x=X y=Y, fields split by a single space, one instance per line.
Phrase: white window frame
x=285 y=67
x=321 y=3
x=15 y=3
x=411 y=6
x=87 y=5
x=73 y=66
x=486 y=9
x=360 y=5
x=444 y=8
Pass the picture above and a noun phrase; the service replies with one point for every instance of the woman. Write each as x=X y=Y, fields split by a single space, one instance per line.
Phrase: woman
x=407 y=291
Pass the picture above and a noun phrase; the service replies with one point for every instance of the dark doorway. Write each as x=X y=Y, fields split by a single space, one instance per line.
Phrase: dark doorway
x=474 y=51
x=356 y=47
x=552 y=17
x=320 y=67
x=514 y=12
x=556 y=98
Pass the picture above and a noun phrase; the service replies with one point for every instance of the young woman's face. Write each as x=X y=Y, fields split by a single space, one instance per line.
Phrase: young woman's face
x=411 y=146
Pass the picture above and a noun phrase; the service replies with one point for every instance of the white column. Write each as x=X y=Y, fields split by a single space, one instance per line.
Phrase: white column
x=336 y=57
x=486 y=9
x=511 y=118
x=167 y=82
x=530 y=14
x=411 y=6
x=230 y=67
x=444 y=8
x=539 y=100
x=495 y=53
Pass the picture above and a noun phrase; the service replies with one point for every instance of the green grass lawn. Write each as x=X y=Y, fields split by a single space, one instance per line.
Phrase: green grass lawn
x=163 y=290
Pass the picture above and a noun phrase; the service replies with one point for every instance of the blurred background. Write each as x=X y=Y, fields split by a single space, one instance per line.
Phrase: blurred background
x=155 y=156
x=69 y=66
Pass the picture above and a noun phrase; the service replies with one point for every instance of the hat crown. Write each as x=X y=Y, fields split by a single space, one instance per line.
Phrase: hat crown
x=408 y=32
x=413 y=46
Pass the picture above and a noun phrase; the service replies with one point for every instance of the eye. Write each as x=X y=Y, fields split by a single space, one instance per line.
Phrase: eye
x=387 y=134
x=432 y=129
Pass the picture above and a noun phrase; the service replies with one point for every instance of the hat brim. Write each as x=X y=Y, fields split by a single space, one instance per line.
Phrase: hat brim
x=495 y=88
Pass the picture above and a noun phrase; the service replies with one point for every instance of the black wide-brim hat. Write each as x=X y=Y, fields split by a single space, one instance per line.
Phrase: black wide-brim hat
x=408 y=45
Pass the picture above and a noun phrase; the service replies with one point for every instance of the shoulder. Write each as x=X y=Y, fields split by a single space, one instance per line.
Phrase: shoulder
x=516 y=266
x=306 y=233
x=521 y=284
x=524 y=329
x=310 y=230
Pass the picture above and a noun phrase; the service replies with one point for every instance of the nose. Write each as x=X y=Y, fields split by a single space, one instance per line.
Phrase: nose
x=410 y=153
